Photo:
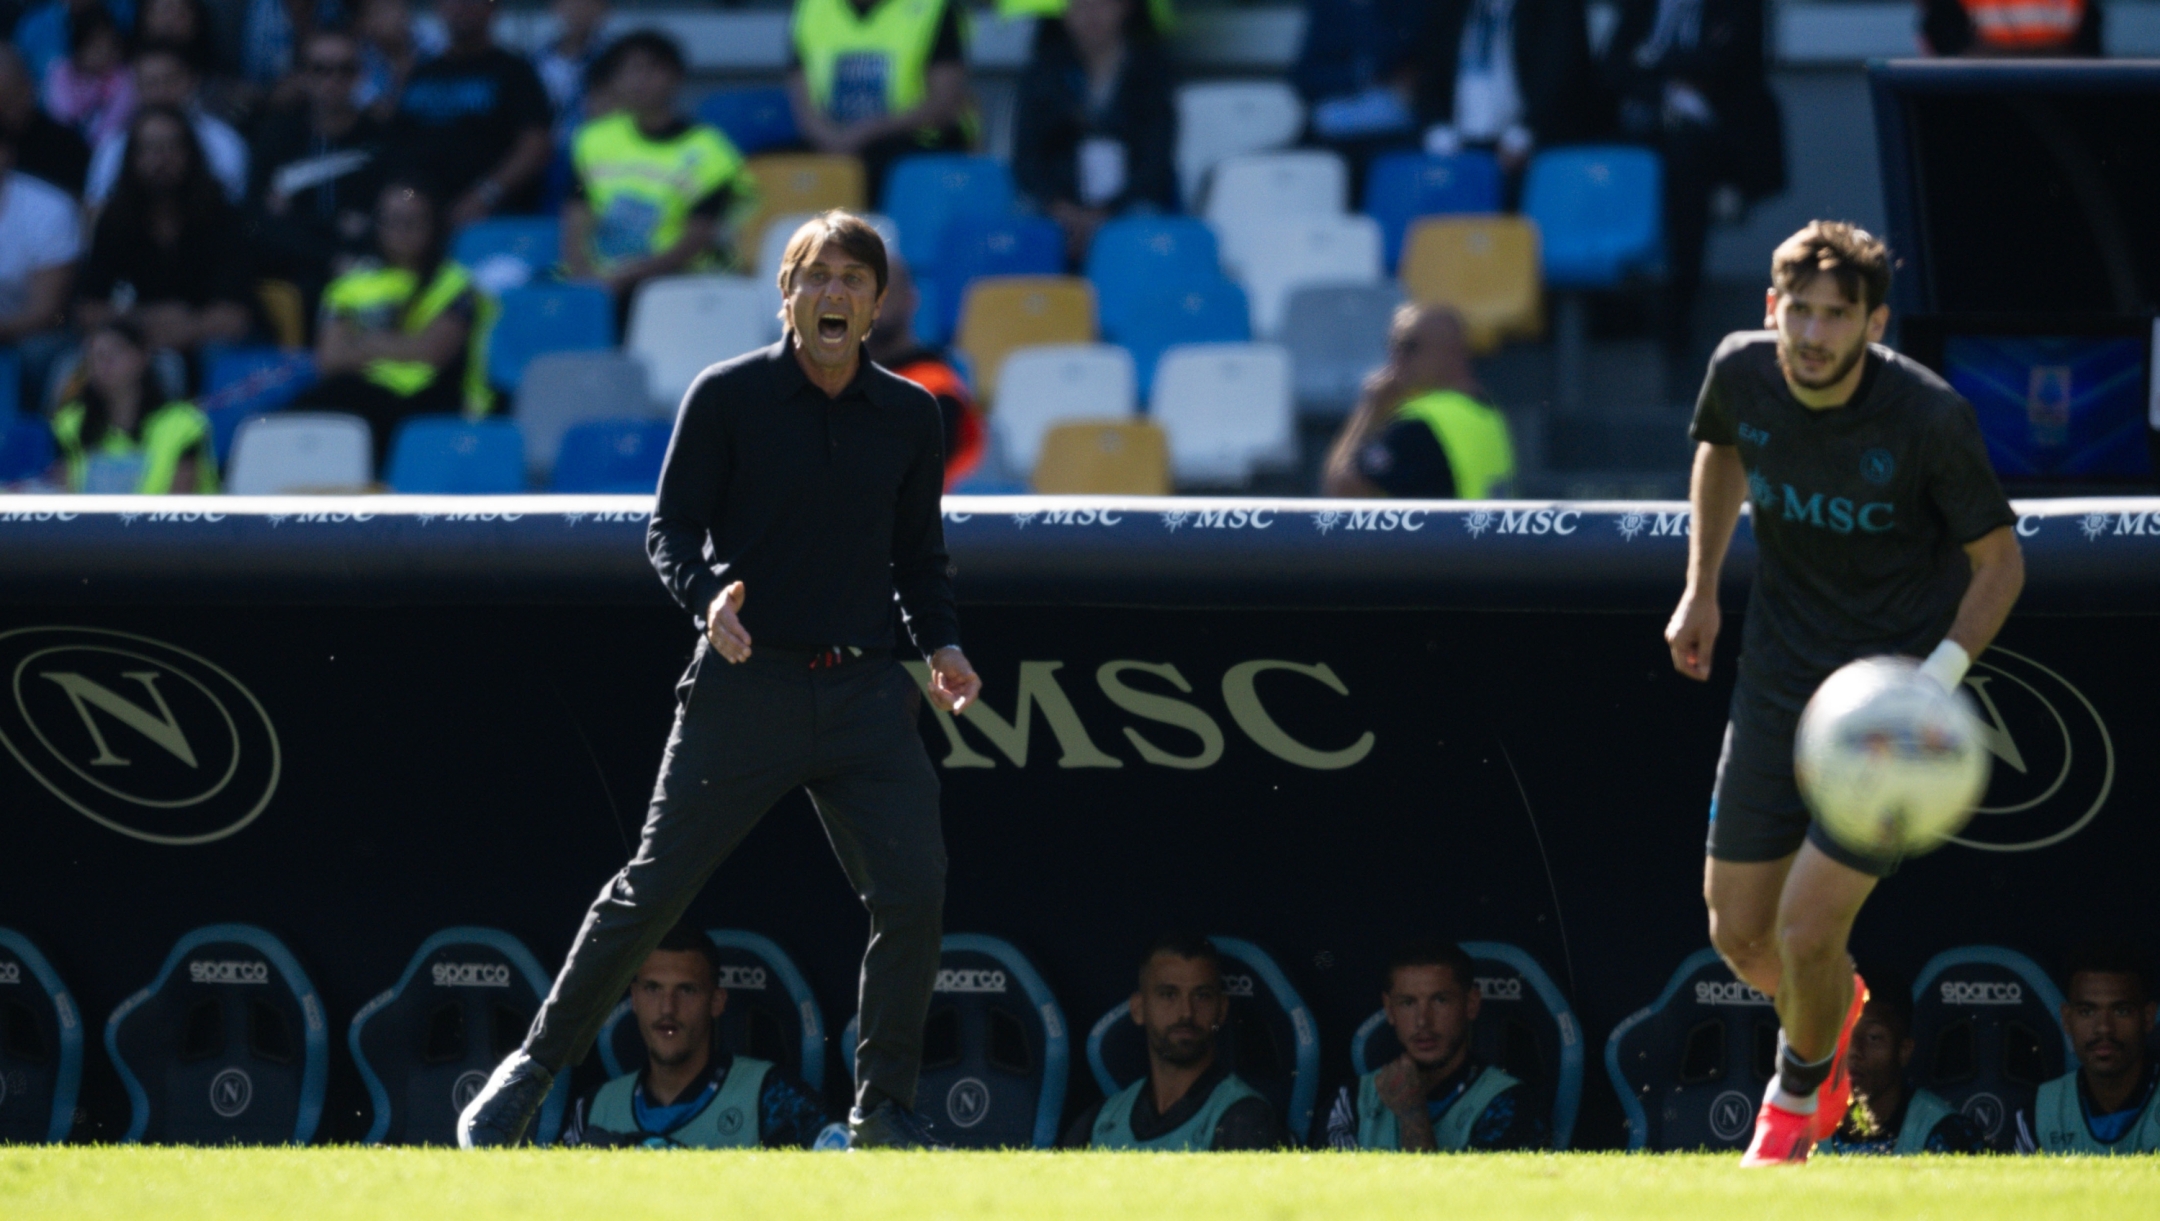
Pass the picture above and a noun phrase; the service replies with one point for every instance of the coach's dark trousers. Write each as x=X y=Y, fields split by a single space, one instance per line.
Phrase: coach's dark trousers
x=744 y=736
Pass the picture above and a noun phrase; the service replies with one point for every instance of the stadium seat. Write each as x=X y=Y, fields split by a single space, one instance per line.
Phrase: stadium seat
x=1987 y=1032
x=1226 y=409
x=618 y=456
x=1000 y=315
x=242 y=381
x=772 y=251
x=1337 y=334
x=1268 y=1039
x=539 y=319
x=26 y=448
x=450 y=455
x=1691 y=1067
x=1402 y=187
x=1524 y=1026
x=564 y=389
x=41 y=1046
x=680 y=325
x=1273 y=258
x=1599 y=212
x=1103 y=458
x=1204 y=309
x=1289 y=185
x=427 y=1045
x=800 y=182
x=754 y=119
x=1136 y=255
x=1010 y=246
x=771 y=1013
x=929 y=191
x=300 y=451
x=226 y=1046
x=1484 y=267
x=1041 y=387
x=1218 y=119
x=506 y=251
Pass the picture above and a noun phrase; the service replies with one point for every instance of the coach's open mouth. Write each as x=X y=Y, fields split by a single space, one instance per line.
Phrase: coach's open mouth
x=832 y=328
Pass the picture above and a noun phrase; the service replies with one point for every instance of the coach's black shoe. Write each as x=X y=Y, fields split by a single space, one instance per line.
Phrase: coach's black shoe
x=505 y=1106
x=890 y=1126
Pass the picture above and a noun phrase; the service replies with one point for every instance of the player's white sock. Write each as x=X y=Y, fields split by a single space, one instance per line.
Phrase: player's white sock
x=1787 y=1102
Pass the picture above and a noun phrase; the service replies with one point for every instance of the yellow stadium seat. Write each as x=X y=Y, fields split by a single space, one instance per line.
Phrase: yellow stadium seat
x=285 y=310
x=1105 y=457
x=1001 y=313
x=1485 y=268
x=799 y=182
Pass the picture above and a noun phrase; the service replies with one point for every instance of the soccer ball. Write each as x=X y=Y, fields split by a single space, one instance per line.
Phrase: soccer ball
x=1890 y=763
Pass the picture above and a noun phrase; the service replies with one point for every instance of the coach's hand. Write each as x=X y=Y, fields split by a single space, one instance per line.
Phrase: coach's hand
x=953 y=684
x=724 y=629
x=1692 y=634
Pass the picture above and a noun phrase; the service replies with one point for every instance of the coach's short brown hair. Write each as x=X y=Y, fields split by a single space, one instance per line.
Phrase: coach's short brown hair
x=844 y=229
x=1857 y=259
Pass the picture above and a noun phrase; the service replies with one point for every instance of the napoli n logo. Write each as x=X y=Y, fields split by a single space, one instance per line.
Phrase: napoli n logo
x=2054 y=757
x=140 y=736
x=1877 y=466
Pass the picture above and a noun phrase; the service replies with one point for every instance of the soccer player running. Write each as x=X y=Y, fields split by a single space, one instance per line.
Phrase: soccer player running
x=1879 y=528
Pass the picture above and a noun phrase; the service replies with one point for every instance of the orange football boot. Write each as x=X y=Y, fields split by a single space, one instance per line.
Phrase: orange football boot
x=1782 y=1138
x=1835 y=1096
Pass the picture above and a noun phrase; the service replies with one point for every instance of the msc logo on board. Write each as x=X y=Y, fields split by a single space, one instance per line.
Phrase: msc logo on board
x=137 y=735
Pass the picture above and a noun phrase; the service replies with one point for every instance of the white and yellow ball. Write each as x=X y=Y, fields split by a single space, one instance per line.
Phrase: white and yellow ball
x=1890 y=762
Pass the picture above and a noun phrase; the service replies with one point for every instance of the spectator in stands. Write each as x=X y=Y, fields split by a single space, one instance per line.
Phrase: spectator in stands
x=566 y=62
x=1357 y=70
x=396 y=337
x=1097 y=130
x=2106 y=1105
x=879 y=79
x=392 y=44
x=1888 y=1114
x=1435 y=1096
x=167 y=251
x=42 y=35
x=273 y=39
x=653 y=190
x=1690 y=78
x=1420 y=429
x=473 y=122
x=90 y=89
x=120 y=434
x=317 y=170
x=40 y=239
x=2002 y=28
x=164 y=77
x=1503 y=75
x=893 y=344
x=43 y=147
x=693 y=1093
x=1188 y=1100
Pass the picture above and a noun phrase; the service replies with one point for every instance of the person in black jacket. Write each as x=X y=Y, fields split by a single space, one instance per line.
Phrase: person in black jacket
x=1096 y=124
x=1508 y=75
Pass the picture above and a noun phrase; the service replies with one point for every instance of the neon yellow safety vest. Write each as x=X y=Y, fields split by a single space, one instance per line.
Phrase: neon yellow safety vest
x=1377 y=1127
x=641 y=190
x=863 y=66
x=1113 y=1124
x=729 y=1121
x=374 y=299
x=1473 y=436
x=171 y=433
x=2059 y=1122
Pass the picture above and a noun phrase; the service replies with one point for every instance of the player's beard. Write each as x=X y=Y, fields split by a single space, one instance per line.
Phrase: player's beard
x=1837 y=372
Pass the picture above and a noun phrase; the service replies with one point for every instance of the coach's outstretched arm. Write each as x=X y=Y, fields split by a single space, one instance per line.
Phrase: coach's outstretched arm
x=1715 y=491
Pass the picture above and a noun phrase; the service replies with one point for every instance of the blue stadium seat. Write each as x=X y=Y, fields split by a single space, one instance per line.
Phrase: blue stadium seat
x=427 y=1045
x=535 y=241
x=754 y=119
x=448 y=454
x=1401 y=187
x=1599 y=213
x=41 y=1046
x=26 y=448
x=1136 y=255
x=242 y=381
x=1987 y=1032
x=1011 y=246
x=1206 y=309
x=1524 y=1026
x=771 y=1013
x=927 y=192
x=612 y=456
x=227 y=1045
x=1269 y=1038
x=539 y=319
x=1691 y=1067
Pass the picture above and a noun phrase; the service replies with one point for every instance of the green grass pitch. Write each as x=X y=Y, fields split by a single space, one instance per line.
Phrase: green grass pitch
x=327 y=1184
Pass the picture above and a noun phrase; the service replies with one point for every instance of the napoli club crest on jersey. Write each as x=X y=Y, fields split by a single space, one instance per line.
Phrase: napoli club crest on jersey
x=1877 y=466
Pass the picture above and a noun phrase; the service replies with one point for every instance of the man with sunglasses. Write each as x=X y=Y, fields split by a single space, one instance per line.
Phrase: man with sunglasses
x=1420 y=429
x=318 y=170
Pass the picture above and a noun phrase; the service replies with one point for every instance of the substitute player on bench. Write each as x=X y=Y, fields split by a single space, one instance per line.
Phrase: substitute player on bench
x=1880 y=528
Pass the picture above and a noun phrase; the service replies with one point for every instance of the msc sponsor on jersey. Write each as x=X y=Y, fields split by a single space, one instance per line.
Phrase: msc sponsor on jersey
x=747 y=979
x=1982 y=992
x=471 y=974
x=964 y=979
x=229 y=971
x=1727 y=992
x=1836 y=514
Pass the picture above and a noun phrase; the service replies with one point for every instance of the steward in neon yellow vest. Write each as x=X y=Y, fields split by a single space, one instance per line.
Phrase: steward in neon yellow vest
x=1473 y=436
x=377 y=298
x=168 y=436
x=642 y=189
x=861 y=65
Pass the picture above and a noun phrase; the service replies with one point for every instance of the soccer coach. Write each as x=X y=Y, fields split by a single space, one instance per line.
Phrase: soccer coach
x=800 y=493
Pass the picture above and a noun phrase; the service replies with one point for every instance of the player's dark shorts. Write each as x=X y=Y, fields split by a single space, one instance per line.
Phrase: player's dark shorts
x=1756 y=812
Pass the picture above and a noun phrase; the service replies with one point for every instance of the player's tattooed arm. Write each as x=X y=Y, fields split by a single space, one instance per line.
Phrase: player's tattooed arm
x=1715 y=491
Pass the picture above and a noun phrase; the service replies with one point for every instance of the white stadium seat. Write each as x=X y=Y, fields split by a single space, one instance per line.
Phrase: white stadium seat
x=1227 y=409
x=681 y=324
x=1218 y=119
x=774 y=248
x=563 y=389
x=1043 y=386
x=1276 y=257
x=300 y=451
x=1294 y=184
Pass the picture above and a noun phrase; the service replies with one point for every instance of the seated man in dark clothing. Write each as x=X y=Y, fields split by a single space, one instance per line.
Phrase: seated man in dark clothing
x=1096 y=125
x=1889 y=1115
x=1419 y=430
x=693 y=1093
x=892 y=344
x=317 y=170
x=44 y=147
x=879 y=79
x=2108 y=1104
x=1435 y=1097
x=1188 y=1101
x=473 y=122
x=1506 y=75
x=1357 y=71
